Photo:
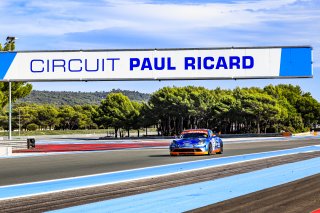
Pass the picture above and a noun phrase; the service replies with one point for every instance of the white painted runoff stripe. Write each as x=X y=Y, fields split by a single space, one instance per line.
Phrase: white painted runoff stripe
x=135 y=141
x=37 y=188
x=25 y=155
x=189 y=197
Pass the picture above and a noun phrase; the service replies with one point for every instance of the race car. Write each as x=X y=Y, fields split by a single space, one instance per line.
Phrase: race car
x=196 y=142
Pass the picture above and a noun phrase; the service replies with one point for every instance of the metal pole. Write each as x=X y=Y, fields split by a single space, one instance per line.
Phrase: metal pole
x=19 y=123
x=10 y=42
x=10 y=111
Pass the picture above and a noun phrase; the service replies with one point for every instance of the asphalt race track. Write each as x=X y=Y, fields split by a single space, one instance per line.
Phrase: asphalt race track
x=39 y=168
x=302 y=195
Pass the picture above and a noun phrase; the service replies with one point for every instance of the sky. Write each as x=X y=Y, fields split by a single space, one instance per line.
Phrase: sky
x=123 y=24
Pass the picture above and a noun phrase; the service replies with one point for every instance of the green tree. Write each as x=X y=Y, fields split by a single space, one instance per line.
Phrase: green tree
x=259 y=105
x=136 y=117
x=224 y=111
x=25 y=114
x=302 y=110
x=309 y=109
x=67 y=117
x=47 y=116
x=116 y=110
x=90 y=112
x=180 y=108
x=147 y=117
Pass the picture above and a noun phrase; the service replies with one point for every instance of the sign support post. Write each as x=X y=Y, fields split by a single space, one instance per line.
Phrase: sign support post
x=10 y=112
x=10 y=42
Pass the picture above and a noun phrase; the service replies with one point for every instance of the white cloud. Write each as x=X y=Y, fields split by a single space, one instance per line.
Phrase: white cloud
x=253 y=23
x=60 y=24
x=60 y=17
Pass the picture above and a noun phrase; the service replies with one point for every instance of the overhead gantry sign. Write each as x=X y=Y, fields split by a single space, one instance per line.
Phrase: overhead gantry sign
x=157 y=64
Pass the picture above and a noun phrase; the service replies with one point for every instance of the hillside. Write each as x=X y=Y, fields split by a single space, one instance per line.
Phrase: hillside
x=77 y=98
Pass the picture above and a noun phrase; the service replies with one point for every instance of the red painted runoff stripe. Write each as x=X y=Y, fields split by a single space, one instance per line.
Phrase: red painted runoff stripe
x=89 y=147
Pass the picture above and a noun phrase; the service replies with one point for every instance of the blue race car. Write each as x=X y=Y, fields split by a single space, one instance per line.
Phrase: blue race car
x=196 y=142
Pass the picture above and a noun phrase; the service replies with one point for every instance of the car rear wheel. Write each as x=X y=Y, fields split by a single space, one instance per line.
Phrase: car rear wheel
x=221 y=150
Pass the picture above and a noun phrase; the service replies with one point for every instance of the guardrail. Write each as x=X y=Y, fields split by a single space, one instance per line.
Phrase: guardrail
x=250 y=135
x=15 y=144
x=7 y=146
x=220 y=135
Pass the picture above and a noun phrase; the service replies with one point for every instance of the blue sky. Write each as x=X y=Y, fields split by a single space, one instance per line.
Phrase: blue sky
x=109 y=24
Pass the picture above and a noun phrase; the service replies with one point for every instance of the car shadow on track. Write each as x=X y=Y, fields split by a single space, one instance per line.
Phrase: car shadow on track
x=159 y=156
x=196 y=156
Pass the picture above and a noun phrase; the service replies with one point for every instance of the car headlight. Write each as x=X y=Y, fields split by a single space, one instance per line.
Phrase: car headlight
x=201 y=143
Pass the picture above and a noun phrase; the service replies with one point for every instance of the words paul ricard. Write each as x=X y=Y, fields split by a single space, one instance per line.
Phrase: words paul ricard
x=140 y=64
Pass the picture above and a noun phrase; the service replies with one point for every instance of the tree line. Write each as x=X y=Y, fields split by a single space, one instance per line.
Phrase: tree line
x=173 y=109
x=242 y=110
x=48 y=117
x=77 y=98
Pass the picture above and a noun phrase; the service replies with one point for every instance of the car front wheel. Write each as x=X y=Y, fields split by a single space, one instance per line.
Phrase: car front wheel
x=210 y=149
x=221 y=150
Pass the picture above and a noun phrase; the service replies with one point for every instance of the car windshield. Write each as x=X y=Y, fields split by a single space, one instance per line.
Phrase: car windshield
x=194 y=135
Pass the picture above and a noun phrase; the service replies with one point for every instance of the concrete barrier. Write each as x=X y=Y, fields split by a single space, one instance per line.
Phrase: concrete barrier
x=14 y=144
x=286 y=134
x=5 y=151
x=248 y=135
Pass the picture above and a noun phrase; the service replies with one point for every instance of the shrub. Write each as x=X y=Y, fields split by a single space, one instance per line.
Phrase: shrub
x=32 y=127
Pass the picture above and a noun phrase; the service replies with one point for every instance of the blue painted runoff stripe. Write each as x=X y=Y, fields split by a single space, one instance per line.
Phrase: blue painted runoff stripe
x=36 y=188
x=189 y=197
